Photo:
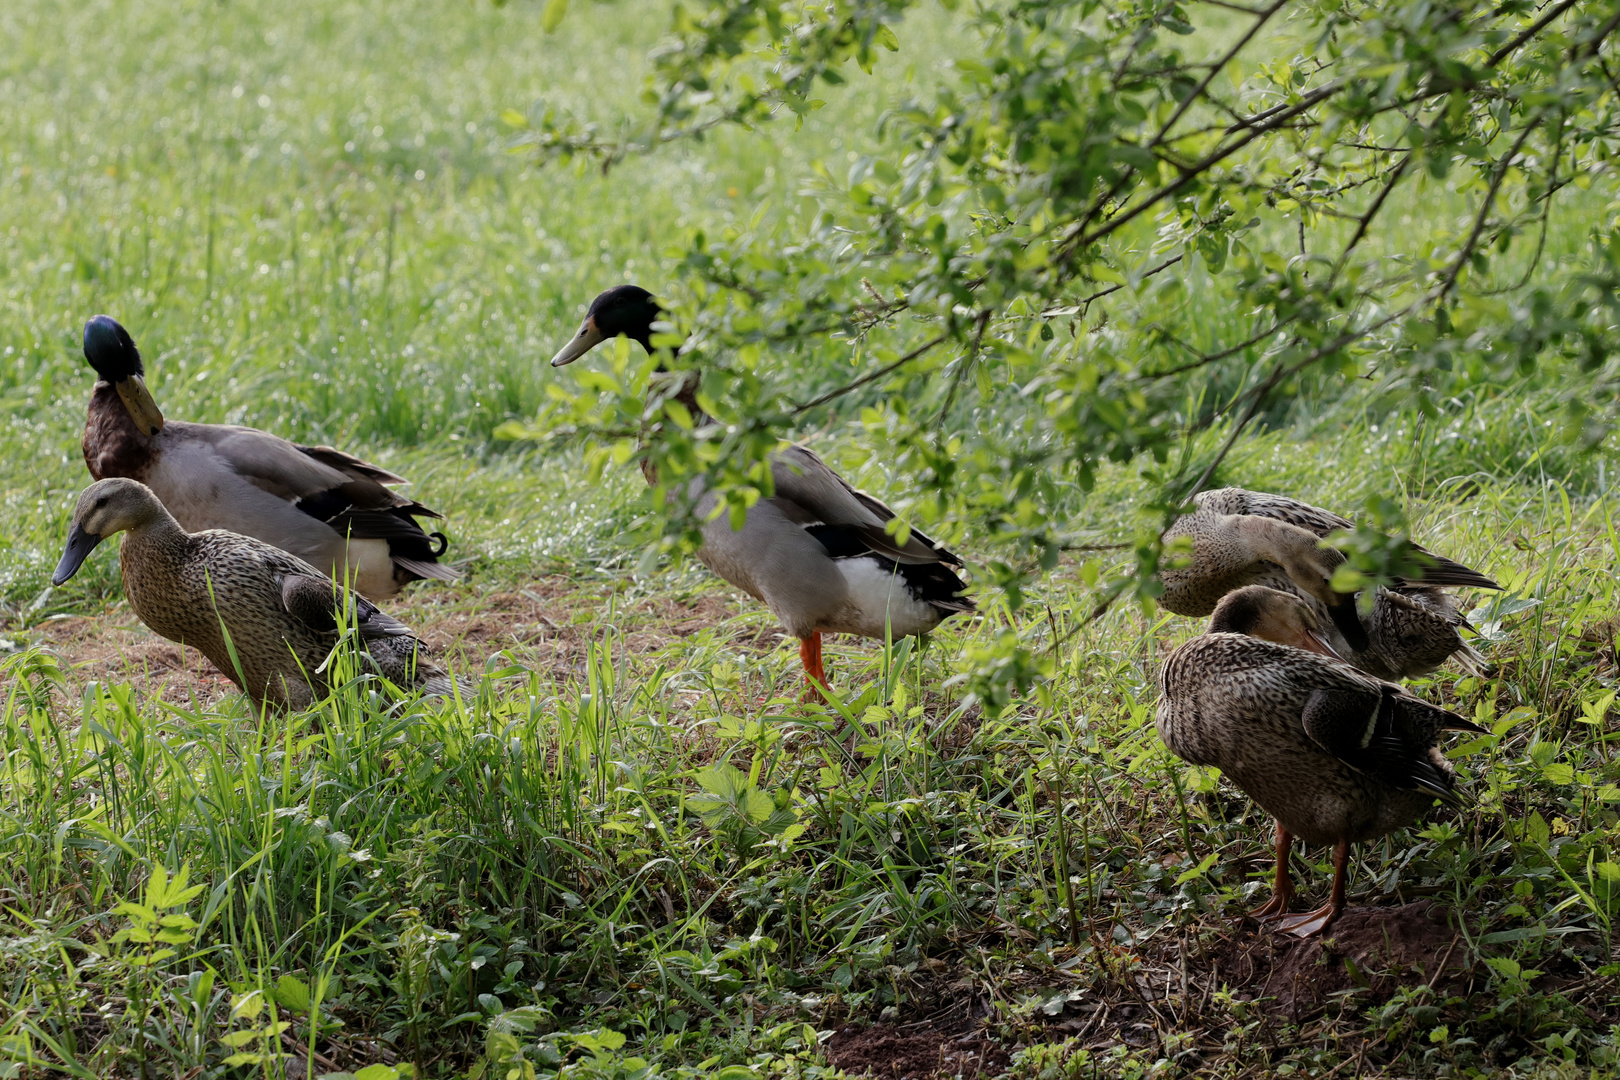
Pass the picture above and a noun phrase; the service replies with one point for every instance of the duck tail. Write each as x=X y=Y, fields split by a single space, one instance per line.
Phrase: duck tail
x=1451 y=573
x=1473 y=661
x=441 y=684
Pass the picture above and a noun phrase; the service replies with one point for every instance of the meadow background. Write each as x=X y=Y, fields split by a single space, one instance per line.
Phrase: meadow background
x=636 y=853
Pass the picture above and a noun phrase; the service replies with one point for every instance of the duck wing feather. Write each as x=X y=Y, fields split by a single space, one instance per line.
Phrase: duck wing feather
x=1383 y=731
x=1322 y=522
x=817 y=495
x=346 y=493
x=315 y=601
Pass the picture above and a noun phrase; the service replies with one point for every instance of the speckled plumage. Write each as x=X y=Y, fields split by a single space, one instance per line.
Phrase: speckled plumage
x=1243 y=705
x=1412 y=628
x=1334 y=755
x=277 y=610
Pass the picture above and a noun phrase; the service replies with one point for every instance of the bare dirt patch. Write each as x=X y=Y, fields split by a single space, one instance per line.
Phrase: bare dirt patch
x=547 y=625
x=1375 y=949
x=917 y=1051
x=116 y=647
x=550 y=623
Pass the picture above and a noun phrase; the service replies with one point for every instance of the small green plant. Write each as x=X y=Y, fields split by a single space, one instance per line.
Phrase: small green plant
x=735 y=807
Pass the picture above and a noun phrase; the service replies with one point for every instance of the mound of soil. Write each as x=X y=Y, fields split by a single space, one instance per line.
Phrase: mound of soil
x=1377 y=949
x=916 y=1052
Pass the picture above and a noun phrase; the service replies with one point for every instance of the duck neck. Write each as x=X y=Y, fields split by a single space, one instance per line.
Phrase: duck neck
x=681 y=386
x=114 y=445
x=1274 y=541
x=666 y=385
x=156 y=535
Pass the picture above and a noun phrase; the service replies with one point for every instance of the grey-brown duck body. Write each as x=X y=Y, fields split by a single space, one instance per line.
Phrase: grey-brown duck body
x=325 y=506
x=1333 y=754
x=817 y=552
x=1241 y=538
x=267 y=619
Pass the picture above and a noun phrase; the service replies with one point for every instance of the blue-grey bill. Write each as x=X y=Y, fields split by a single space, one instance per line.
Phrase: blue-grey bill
x=79 y=546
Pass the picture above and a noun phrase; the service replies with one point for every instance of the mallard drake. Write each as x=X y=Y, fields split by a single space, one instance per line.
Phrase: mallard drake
x=1251 y=538
x=816 y=553
x=323 y=505
x=1334 y=755
x=266 y=619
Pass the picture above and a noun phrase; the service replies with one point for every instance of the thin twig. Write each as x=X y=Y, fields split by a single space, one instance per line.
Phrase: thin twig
x=1216 y=357
x=967 y=362
x=1079 y=306
x=1261 y=18
x=878 y=374
x=1080 y=240
x=1259 y=398
x=1484 y=214
x=1372 y=212
x=1530 y=31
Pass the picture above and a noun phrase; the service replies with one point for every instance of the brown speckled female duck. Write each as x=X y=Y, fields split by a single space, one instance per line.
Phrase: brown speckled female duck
x=1251 y=538
x=1334 y=755
x=321 y=504
x=817 y=552
x=279 y=610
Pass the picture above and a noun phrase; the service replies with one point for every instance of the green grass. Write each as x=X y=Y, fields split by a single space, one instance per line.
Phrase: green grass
x=570 y=858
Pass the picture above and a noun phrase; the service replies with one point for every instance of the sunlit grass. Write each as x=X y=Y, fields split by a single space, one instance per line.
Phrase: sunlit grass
x=305 y=214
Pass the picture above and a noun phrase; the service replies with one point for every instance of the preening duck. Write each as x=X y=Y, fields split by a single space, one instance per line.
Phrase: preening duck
x=1244 y=538
x=218 y=591
x=816 y=553
x=323 y=505
x=1334 y=755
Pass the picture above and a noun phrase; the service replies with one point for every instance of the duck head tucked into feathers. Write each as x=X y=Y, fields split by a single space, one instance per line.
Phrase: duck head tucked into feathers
x=1309 y=564
x=627 y=310
x=1272 y=615
x=112 y=352
x=106 y=508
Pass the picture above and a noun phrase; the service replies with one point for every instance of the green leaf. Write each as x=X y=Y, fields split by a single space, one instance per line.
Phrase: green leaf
x=723 y=780
x=292 y=993
x=1198 y=871
x=757 y=806
x=1558 y=772
x=379 y=1072
x=551 y=16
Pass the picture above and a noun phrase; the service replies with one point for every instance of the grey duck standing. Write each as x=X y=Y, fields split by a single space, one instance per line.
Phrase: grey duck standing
x=1334 y=755
x=323 y=505
x=195 y=588
x=816 y=553
x=1252 y=538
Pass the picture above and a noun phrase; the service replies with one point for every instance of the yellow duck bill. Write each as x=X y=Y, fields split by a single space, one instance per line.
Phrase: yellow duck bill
x=138 y=400
x=79 y=546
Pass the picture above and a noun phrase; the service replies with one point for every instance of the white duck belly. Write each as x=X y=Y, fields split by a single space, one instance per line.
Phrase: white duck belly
x=879 y=602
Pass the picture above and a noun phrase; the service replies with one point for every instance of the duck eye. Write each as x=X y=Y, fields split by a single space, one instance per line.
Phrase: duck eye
x=101 y=502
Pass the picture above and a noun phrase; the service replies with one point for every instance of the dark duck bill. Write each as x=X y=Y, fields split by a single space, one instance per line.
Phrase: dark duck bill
x=79 y=546
x=112 y=352
x=625 y=310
